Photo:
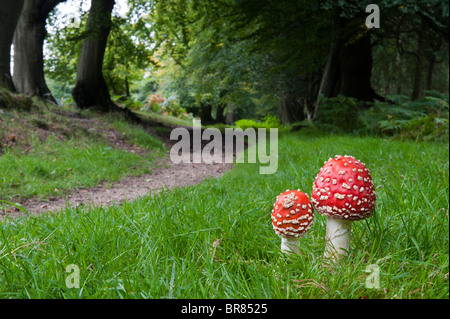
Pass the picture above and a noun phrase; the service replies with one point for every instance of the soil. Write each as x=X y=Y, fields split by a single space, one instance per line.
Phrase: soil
x=166 y=175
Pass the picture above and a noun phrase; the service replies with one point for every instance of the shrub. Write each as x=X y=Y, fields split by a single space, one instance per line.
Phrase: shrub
x=338 y=114
x=270 y=121
x=158 y=104
x=424 y=119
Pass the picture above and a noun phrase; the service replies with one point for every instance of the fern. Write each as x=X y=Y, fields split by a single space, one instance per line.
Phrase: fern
x=425 y=119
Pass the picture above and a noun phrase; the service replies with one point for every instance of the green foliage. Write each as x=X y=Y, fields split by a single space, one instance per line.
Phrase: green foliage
x=125 y=61
x=156 y=103
x=172 y=107
x=338 y=114
x=242 y=53
x=144 y=88
x=270 y=121
x=426 y=119
x=426 y=128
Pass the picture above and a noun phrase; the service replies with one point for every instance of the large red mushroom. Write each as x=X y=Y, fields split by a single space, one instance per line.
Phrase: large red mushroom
x=292 y=217
x=344 y=192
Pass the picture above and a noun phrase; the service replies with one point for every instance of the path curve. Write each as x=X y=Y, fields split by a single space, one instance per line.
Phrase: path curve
x=168 y=175
x=129 y=188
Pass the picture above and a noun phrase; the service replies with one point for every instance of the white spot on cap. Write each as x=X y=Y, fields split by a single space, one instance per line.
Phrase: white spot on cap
x=339 y=196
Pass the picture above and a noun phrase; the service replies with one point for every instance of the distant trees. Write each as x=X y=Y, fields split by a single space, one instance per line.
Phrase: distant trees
x=250 y=57
x=298 y=50
x=101 y=53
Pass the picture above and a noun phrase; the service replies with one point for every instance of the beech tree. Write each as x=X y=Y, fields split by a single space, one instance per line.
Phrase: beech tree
x=9 y=13
x=348 y=68
x=90 y=89
x=28 y=48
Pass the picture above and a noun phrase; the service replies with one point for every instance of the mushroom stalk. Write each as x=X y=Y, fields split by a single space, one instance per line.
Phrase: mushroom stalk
x=290 y=245
x=337 y=238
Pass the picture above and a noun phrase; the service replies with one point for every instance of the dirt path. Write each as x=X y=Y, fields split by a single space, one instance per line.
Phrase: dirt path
x=130 y=188
x=169 y=175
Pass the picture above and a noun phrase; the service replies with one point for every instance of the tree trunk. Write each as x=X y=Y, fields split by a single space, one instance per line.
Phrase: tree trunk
x=312 y=84
x=417 y=82
x=332 y=71
x=355 y=59
x=230 y=118
x=290 y=110
x=127 y=87
x=220 y=118
x=90 y=88
x=348 y=68
x=399 y=80
x=28 y=48
x=430 y=71
x=205 y=113
x=9 y=13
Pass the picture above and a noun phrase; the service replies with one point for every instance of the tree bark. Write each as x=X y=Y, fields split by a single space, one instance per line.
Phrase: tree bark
x=355 y=59
x=348 y=68
x=9 y=13
x=205 y=113
x=332 y=71
x=417 y=90
x=399 y=80
x=220 y=118
x=290 y=110
x=91 y=89
x=28 y=48
x=230 y=118
x=431 y=62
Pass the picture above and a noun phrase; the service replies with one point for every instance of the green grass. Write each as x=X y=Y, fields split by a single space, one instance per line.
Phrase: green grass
x=164 y=119
x=134 y=134
x=55 y=166
x=56 y=163
x=215 y=240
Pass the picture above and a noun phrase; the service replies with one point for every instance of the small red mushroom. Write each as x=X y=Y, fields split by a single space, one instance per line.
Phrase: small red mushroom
x=344 y=192
x=292 y=217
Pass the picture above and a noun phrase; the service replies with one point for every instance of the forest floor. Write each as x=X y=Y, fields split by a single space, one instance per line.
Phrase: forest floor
x=164 y=173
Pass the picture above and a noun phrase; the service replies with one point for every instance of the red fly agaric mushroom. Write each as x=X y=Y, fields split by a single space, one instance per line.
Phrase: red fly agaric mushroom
x=344 y=192
x=292 y=217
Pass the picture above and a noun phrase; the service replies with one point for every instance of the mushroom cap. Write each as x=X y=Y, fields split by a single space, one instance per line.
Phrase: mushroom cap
x=292 y=214
x=344 y=189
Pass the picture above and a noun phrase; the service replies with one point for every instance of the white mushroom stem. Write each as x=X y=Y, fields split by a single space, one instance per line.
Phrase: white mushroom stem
x=337 y=238
x=290 y=245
